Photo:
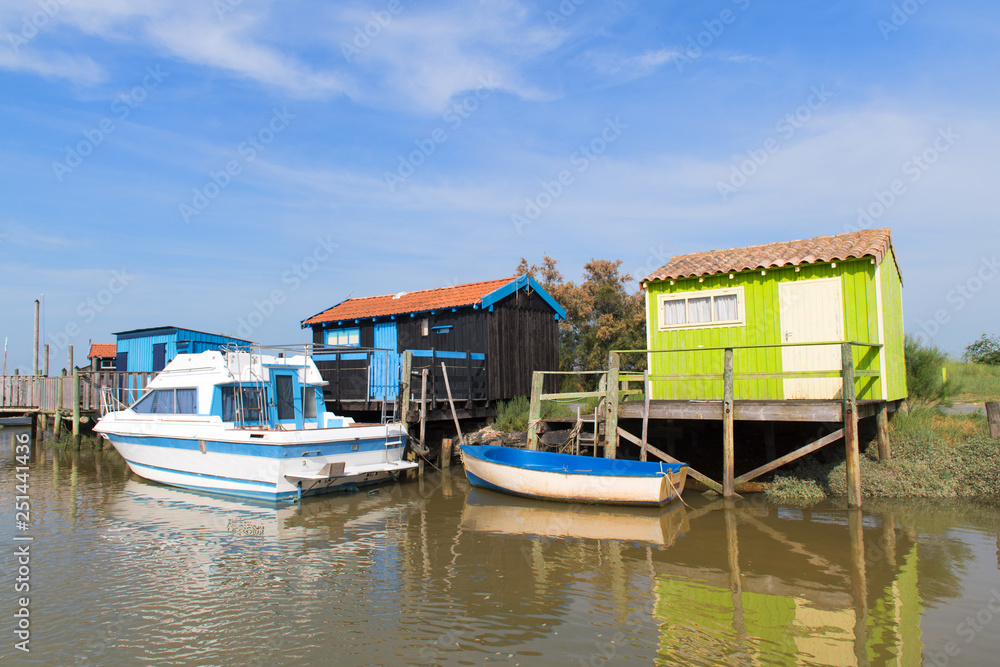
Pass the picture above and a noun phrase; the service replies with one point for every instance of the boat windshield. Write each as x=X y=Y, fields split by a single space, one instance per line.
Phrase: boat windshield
x=168 y=402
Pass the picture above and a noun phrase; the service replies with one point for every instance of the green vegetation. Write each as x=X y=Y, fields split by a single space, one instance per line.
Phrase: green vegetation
x=933 y=456
x=512 y=415
x=977 y=383
x=925 y=378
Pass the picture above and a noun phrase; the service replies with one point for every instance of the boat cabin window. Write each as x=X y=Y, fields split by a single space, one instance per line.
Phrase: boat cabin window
x=168 y=402
x=252 y=402
x=308 y=402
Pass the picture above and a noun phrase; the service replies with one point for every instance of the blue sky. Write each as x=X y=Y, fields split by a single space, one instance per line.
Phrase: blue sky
x=192 y=163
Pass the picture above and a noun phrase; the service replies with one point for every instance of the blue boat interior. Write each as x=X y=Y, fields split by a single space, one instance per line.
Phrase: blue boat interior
x=569 y=463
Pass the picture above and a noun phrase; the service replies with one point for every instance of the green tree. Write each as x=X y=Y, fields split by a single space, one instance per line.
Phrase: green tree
x=601 y=315
x=986 y=350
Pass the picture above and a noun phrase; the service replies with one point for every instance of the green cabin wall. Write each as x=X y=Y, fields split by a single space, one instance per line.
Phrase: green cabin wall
x=762 y=326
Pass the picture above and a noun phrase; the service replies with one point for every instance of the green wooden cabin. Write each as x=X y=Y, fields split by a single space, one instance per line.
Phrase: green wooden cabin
x=845 y=287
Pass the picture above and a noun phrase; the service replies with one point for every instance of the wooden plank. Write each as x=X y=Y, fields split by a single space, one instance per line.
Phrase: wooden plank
x=993 y=418
x=569 y=395
x=792 y=411
x=853 y=455
x=694 y=474
x=728 y=446
x=792 y=456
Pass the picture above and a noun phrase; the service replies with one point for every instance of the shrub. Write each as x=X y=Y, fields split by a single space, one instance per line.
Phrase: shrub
x=986 y=350
x=512 y=415
x=924 y=377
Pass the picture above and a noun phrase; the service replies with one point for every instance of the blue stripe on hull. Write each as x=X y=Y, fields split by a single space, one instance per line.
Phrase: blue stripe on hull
x=475 y=480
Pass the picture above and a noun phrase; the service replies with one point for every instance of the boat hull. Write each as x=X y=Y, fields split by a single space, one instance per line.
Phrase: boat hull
x=274 y=466
x=573 y=478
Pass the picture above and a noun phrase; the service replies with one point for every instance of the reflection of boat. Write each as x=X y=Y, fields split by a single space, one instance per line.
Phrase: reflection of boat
x=573 y=478
x=524 y=516
x=249 y=424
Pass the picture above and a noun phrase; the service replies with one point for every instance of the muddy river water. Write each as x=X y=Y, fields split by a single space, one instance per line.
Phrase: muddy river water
x=102 y=568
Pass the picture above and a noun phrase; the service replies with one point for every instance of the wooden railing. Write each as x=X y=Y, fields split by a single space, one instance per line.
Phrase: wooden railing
x=35 y=393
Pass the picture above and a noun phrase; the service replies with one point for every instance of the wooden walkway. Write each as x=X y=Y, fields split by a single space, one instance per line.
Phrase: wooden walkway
x=27 y=394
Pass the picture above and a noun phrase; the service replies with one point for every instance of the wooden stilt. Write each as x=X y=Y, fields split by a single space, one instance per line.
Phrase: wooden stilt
x=611 y=420
x=850 y=410
x=445 y=453
x=76 y=407
x=882 y=422
x=423 y=408
x=993 y=417
x=728 y=446
x=406 y=373
x=535 y=408
x=57 y=420
x=645 y=415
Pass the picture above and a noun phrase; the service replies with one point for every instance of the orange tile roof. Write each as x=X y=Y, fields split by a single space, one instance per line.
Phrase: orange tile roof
x=102 y=350
x=408 y=302
x=839 y=247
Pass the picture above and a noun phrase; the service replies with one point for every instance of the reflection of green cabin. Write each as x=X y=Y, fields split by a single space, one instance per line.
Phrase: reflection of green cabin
x=839 y=288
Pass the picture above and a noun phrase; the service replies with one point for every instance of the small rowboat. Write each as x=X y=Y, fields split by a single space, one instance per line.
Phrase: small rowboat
x=572 y=478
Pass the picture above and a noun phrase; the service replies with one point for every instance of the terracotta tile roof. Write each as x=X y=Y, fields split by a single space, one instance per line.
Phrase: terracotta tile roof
x=839 y=247
x=102 y=350
x=409 y=302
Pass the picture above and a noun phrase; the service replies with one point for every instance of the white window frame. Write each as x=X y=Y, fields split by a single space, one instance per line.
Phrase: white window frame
x=741 y=321
x=342 y=334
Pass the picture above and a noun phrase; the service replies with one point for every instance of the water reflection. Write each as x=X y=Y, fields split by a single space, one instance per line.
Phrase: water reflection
x=457 y=576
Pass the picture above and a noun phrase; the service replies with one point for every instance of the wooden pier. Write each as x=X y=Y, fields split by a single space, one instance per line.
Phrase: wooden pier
x=619 y=390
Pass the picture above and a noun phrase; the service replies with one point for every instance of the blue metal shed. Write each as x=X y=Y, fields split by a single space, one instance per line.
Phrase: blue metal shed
x=149 y=350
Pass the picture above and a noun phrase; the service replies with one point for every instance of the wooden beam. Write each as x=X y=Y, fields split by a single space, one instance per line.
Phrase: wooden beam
x=728 y=446
x=694 y=474
x=882 y=423
x=788 y=458
x=611 y=421
x=451 y=403
x=645 y=415
x=791 y=411
x=535 y=408
x=853 y=454
x=407 y=378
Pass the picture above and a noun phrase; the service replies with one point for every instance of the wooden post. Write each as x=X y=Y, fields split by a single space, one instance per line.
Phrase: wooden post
x=882 y=422
x=611 y=420
x=445 y=453
x=57 y=422
x=645 y=415
x=45 y=361
x=993 y=417
x=423 y=407
x=69 y=359
x=728 y=431
x=535 y=408
x=451 y=403
x=404 y=398
x=468 y=375
x=76 y=406
x=853 y=455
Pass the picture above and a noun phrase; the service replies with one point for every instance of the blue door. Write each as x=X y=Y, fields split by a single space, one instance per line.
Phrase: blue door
x=383 y=372
x=159 y=356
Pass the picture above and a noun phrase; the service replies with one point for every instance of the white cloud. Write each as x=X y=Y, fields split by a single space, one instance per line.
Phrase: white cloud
x=77 y=69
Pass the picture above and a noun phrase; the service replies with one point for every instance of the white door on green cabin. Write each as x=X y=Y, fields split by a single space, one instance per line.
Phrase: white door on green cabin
x=811 y=311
